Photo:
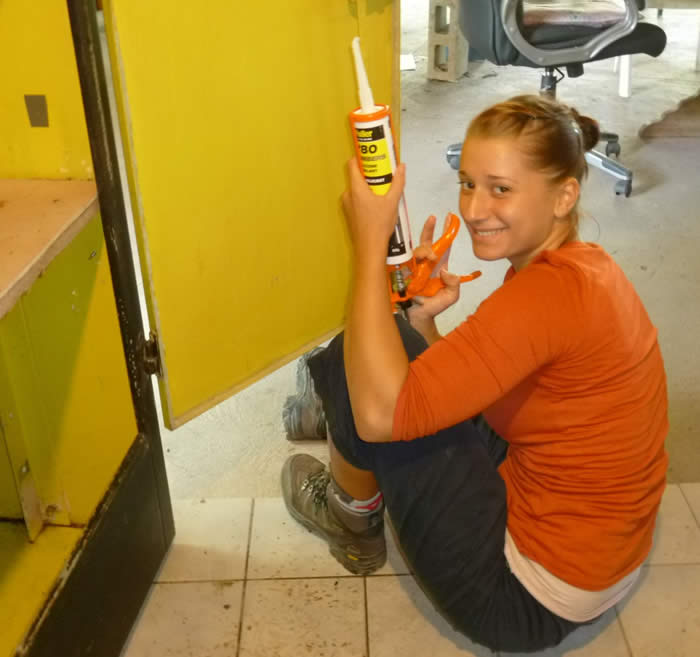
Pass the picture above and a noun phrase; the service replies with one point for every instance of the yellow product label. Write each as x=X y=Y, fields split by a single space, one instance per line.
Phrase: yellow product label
x=375 y=158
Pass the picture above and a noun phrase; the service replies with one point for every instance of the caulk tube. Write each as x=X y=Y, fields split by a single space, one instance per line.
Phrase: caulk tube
x=374 y=143
x=376 y=153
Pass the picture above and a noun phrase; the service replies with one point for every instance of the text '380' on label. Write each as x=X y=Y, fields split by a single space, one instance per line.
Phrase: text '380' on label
x=375 y=158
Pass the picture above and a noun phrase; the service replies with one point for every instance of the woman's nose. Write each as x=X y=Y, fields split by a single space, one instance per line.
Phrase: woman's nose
x=477 y=205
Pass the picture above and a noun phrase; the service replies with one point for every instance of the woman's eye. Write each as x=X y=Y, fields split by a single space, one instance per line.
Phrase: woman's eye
x=500 y=189
x=466 y=185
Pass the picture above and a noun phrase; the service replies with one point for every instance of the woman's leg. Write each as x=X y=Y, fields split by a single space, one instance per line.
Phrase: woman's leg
x=360 y=484
x=447 y=503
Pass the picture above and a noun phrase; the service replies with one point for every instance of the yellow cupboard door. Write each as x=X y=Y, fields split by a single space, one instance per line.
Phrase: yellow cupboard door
x=234 y=124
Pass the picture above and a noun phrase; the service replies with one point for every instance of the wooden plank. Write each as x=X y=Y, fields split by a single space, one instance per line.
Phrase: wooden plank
x=38 y=219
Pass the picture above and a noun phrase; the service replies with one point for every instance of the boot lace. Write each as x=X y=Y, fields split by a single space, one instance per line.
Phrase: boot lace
x=315 y=486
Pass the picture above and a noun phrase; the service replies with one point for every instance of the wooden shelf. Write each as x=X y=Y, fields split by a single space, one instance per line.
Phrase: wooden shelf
x=38 y=219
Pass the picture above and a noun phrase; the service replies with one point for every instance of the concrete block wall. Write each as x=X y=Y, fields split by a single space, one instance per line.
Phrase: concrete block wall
x=448 y=50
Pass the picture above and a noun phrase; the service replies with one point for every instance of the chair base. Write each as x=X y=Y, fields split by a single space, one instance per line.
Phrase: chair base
x=612 y=143
x=602 y=161
x=453 y=155
x=606 y=164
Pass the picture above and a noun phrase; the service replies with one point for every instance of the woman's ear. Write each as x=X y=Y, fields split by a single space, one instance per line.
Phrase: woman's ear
x=569 y=192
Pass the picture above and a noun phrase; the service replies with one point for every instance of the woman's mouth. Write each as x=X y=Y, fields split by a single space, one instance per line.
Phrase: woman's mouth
x=487 y=233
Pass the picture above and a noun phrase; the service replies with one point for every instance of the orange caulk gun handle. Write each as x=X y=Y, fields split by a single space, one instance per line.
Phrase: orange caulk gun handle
x=424 y=269
x=421 y=282
x=434 y=285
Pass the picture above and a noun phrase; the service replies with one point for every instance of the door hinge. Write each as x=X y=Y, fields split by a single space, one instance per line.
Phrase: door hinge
x=151 y=356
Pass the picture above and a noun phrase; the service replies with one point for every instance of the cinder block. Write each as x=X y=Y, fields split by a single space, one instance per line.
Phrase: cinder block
x=448 y=50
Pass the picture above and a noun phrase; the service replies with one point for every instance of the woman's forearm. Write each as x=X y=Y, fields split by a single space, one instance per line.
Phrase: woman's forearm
x=376 y=364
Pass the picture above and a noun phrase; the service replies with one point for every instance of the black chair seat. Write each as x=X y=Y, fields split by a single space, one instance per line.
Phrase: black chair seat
x=646 y=38
x=480 y=22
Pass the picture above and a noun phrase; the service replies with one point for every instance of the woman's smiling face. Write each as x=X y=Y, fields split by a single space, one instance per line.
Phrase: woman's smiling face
x=512 y=210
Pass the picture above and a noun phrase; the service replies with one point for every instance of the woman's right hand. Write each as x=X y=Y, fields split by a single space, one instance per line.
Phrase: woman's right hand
x=371 y=217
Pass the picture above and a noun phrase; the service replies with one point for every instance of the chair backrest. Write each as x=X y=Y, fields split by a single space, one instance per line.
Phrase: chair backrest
x=481 y=24
x=570 y=25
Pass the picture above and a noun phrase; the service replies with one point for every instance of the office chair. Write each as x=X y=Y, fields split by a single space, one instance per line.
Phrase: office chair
x=499 y=32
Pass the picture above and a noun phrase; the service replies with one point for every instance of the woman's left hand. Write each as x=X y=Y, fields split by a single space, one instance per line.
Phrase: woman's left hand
x=371 y=218
x=425 y=309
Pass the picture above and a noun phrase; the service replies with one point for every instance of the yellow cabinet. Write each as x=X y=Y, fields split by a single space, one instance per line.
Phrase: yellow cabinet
x=236 y=138
x=70 y=445
x=10 y=506
x=66 y=411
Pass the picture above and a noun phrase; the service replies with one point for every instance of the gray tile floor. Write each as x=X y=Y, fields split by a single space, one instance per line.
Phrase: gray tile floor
x=243 y=579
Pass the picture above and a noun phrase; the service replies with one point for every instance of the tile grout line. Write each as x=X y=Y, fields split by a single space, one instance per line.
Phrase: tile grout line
x=304 y=577
x=245 y=576
x=680 y=486
x=622 y=629
x=364 y=581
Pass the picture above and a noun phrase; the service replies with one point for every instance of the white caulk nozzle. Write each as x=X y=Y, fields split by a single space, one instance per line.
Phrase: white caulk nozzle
x=363 y=88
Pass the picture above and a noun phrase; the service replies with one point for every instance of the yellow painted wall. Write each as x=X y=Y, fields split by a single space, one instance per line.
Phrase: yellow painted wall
x=9 y=500
x=37 y=57
x=379 y=31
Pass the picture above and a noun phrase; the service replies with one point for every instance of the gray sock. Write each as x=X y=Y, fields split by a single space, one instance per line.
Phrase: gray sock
x=357 y=515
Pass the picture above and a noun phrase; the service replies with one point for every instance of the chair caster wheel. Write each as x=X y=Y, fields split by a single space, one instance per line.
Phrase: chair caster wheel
x=623 y=187
x=612 y=148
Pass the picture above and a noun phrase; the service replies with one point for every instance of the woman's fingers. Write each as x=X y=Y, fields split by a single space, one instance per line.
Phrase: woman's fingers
x=426 y=236
x=450 y=280
x=371 y=217
x=358 y=185
x=354 y=169
x=345 y=200
x=398 y=182
x=424 y=252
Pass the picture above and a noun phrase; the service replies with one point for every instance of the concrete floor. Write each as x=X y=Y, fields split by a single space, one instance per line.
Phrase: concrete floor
x=237 y=448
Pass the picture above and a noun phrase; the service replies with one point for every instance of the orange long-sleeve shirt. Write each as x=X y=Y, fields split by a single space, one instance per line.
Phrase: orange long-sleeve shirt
x=564 y=363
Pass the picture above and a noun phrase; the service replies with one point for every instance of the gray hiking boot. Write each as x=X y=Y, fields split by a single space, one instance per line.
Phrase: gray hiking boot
x=302 y=414
x=307 y=492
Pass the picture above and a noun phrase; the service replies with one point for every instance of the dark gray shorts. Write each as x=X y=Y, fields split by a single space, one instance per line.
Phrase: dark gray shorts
x=447 y=504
